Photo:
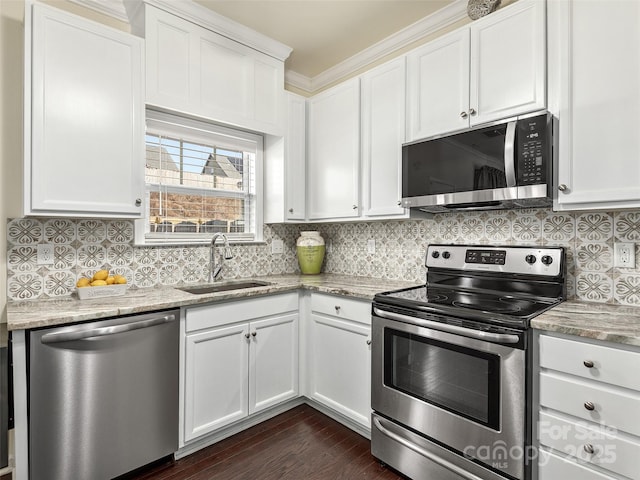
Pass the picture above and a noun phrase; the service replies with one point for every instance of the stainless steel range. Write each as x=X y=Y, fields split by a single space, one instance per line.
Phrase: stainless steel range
x=451 y=383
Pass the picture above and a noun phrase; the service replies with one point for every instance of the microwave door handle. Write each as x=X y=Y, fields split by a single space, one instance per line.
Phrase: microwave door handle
x=509 y=154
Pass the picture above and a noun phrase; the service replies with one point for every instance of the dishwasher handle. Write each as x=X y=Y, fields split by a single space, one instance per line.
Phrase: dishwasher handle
x=59 y=337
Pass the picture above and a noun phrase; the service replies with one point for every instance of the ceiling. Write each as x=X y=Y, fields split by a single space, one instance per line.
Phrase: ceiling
x=324 y=33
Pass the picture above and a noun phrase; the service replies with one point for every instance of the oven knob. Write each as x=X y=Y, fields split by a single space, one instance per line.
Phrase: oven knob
x=435 y=254
x=547 y=260
x=446 y=255
x=530 y=259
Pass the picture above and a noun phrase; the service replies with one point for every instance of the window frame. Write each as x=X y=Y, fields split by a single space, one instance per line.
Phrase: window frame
x=201 y=130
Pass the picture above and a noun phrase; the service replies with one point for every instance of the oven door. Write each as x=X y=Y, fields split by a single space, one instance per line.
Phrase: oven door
x=465 y=393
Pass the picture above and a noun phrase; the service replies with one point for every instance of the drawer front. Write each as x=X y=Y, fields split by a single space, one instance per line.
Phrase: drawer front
x=553 y=467
x=610 y=365
x=611 y=406
x=342 y=307
x=612 y=451
x=239 y=310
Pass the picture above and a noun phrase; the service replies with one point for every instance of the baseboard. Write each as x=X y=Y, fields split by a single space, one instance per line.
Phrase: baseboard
x=231 y=430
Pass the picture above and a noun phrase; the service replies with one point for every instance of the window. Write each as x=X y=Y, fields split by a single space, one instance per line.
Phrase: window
x=201 y=179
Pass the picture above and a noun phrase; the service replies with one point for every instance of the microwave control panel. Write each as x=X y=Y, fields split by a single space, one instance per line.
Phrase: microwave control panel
x=533 y=150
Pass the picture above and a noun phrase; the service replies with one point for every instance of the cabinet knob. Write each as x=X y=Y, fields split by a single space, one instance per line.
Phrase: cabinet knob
x=464 y=114
x=589 y=406
x=246 y=335
x=588 y=363
x=563 y=187
x=369 y=341
x=254 y=334
x=337 y=307
x=138 y=202
x=291 y=210
x=355 y=207
x=472 y=111
x=399 y=202
x=589 y=449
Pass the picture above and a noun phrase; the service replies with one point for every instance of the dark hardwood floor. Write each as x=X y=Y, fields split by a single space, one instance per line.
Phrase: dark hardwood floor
x=301 y=444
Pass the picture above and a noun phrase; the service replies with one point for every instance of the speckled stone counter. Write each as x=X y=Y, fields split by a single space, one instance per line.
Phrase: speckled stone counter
x=611 y=323
x=49 y=312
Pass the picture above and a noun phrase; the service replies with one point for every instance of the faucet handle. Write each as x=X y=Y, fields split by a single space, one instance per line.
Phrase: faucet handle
x=227 y=253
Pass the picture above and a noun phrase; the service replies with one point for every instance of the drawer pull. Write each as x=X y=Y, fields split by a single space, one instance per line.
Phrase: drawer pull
x=337 y=308
x=589 y=406
x=589 y=449
x=588 y=363
x=368 y=341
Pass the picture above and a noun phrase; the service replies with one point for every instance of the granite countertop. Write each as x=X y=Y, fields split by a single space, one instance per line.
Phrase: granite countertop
x=60 y=311
x=611 y=323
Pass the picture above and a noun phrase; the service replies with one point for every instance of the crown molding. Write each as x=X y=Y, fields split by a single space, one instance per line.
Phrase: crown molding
x=428 y=25
x=111 y=8
x=206 y=18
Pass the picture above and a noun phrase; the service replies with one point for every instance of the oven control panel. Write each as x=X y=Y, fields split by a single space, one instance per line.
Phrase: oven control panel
x=522 y=260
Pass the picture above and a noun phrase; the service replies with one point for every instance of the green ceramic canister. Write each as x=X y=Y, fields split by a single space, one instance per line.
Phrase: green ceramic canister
x=310 y=249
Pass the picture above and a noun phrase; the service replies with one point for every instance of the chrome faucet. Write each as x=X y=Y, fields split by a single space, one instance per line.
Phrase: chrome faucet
x=214 y=267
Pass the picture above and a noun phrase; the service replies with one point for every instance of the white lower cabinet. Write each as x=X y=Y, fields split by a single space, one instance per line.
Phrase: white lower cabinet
x=339 y=356
x=589 y=417
x=240 y=357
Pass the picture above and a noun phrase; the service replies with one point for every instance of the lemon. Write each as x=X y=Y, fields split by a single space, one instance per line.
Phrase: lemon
x=98 y=283
x=83 y=282
x=119 y=279
x=101 y=275
x=110 y=280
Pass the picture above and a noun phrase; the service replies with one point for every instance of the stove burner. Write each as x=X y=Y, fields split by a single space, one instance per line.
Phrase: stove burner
x=486 y=305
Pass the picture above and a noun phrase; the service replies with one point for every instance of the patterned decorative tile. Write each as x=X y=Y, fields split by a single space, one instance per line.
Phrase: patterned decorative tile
x=145 y=255
x=59 y=283
x=92 y=256
x=498 y=229
x=120 y=231
x=22 y=258
x=170 y=255
x=59 y=230
x=170 y=274
x=472 y=229
x=594 y=287
x=24 y=286
x=527 y=229
x=594 y=227
x=595 y=257
x=64 y=257
x=627 y=226
x=24 y=231
x=145 y=276
x=627 y=289
x=119 y=255
x=558 y=227
x=91 y=231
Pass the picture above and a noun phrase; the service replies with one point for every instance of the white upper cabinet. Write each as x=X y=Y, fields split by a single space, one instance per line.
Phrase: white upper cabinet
x=196 y=71
x=84 y=117
x=495 y=68
x=334 y=152
x=593 y=91
x=383 y=129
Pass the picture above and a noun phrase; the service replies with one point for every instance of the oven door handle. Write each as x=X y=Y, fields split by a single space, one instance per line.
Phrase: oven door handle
x=425 y=453
x=444 y=327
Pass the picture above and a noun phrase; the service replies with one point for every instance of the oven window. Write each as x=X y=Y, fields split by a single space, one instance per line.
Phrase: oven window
x=458 y=379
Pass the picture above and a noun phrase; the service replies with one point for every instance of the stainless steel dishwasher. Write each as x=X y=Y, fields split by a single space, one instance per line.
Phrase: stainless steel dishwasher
x=103 y=396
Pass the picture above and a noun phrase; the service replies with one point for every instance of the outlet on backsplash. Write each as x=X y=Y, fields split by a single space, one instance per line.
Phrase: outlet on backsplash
x=624 y=255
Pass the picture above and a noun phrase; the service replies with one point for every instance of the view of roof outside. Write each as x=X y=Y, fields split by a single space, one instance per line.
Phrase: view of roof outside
x=194 y=188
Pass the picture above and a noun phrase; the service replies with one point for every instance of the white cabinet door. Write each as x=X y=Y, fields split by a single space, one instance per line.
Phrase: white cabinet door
x=199 y=72
x=216 y=372
x=334 y=152
x=171 y=51
x=383 y=119
x=508 y=52
x=295 y=158
x=84 y=131
x=340 y=366
x=273 y=361
x=594 y=93
x=438 y=86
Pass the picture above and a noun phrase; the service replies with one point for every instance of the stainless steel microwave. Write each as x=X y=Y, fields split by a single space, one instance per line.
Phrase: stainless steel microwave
x=506 y=164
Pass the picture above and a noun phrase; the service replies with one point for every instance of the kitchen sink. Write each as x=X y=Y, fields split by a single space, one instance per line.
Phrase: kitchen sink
x=223 y=287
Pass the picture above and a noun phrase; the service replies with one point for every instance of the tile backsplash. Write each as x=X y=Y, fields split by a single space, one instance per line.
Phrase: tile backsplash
x=82 y=246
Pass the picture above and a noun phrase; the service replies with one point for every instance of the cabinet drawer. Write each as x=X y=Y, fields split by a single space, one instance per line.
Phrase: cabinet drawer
x=239 y=310
x=611 y=406
x=553 y=467
x=610 y=365
x=341 y=307
x=613 y=451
